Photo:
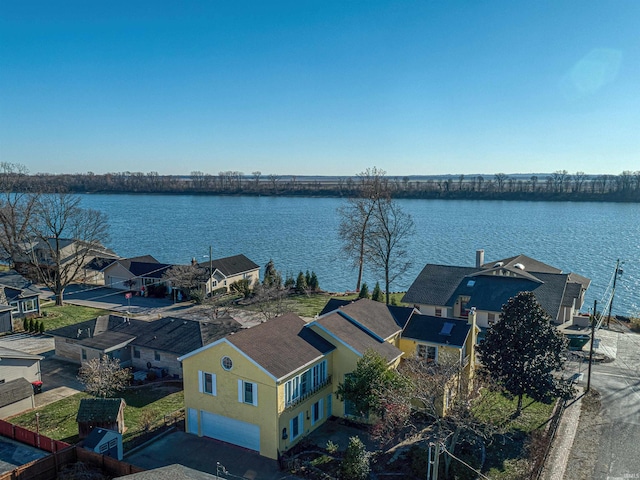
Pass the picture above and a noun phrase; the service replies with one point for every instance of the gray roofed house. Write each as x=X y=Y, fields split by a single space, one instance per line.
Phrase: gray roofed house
x=170 y=472
x=451 y=291
x=432 y=330
x=20 y=295
x=225 y=271
x=281 y=345
x=137 y=343
x=134 y=273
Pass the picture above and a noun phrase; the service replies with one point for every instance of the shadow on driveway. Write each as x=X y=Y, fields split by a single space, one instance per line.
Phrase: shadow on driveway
x=203 y=454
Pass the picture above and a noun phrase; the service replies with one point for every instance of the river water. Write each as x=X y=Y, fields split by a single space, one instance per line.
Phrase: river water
x=301 y=233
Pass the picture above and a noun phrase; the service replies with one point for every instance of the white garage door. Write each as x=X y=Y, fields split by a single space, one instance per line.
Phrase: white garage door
x=229 y=430
x=117 y=282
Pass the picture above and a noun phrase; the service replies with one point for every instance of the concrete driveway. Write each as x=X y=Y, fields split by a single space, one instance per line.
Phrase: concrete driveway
x=59 y=380
x=204 y=454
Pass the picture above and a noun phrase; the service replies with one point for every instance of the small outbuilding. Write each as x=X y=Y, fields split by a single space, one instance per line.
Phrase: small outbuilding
x=105 y=413
x=105 y=442
x=16 y=396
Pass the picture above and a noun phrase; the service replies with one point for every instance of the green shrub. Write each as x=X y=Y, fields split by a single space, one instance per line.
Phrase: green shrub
x=332 y=448
x=355 y=464
x=377 y=294
x=30 y=325
x=634 y=324
x=25 y=324
x=197 y=296
x=41 y=329
x=364 y=291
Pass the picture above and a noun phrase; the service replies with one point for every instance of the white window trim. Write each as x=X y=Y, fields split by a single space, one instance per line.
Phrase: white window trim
x=33 y=302
x=15 y=307
x=254 y=390
x=427 y=346
x=293 y=386
x=201 y=383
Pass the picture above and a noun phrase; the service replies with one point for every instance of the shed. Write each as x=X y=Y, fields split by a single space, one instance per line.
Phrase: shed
x=106 y=413
x=16 y=396
x=105 y=442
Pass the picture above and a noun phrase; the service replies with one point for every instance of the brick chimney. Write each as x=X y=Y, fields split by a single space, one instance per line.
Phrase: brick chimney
x=479 y=258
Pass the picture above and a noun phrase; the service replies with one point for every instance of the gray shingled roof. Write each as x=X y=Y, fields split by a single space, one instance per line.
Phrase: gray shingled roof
x=10 y=353
x=399 y=314
x=170 y=472
x=231 y=265
x=372 y=315
x=281 y=345
x=355 y=337
x=169 y=334
x=99 y=409
x=493 y=286
x=426 y=328
x=14 y=391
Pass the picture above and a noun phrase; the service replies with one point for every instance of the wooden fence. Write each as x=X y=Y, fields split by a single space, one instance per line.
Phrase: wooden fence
x=62 y=454
x=22 y=435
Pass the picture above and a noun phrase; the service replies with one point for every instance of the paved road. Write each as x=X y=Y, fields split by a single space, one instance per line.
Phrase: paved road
x=618 y=381
x=619 y=385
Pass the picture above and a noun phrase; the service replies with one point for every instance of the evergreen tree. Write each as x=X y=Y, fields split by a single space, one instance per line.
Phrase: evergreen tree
x=289 y=282
x=377 y=293
x=272 y=277
x=523 y=350
x=41 y=327
x=301 y=283
x=307 y=278
x=364 y=291
x=30 y=325
x=355 y=464
x=25 y=324
x=314 y=285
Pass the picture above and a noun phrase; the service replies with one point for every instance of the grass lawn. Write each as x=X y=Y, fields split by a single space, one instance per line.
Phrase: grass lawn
x=58 y=420
x=506 y=455
x=56 y=317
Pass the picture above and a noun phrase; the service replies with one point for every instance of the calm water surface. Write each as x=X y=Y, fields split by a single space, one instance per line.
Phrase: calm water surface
x=301 y=233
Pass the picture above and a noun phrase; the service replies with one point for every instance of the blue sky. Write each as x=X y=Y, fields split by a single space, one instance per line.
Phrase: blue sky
x=320 y=88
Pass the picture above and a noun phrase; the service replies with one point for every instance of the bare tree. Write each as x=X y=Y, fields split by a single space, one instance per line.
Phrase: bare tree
x=16 y=210
x=501 y=179
x=103 y=377
x=63 y=238
x=386 y=241
x=356 y=215
x=188 y=277
x=271 y=301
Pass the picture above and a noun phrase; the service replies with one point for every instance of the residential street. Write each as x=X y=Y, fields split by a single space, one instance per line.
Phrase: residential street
x=615 y=429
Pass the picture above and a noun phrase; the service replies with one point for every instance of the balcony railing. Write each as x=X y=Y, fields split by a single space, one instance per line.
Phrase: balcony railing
x=302 y=398
x=465 y=361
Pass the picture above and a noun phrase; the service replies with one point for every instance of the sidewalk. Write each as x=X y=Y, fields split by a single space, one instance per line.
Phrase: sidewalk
x=556 y=464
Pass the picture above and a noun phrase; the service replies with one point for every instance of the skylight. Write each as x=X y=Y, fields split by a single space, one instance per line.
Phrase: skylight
x=446 y=329
x=471 y=283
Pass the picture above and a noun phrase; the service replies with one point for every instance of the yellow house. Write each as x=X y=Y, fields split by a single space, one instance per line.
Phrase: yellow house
x=266 y=387
x=223 y=272
x=441 y=339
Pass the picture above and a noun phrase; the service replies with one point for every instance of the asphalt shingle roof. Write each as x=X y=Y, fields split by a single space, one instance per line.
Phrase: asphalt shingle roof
x=169 y=334
x=355 y=337
x=99 y=409
x=231 y=265
x=281 y=345
x=426 y=328
x=492 y=285
x=14 y=391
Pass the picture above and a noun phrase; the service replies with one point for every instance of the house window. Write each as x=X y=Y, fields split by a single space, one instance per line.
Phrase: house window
x=227 y=363
x=438 y=312
x=215 y=283
x=84 y=354
x=136 y=352
x=296 y=426
x=14 y=307
x=29 y=305
x=427 y=351
x=207 y=383
x=316 y=412
x=306 y=382
x=248 y=392
x=156 y=355
x=491 y=318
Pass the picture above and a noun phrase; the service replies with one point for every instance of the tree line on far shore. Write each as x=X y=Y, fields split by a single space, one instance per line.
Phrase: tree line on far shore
x=557 y=186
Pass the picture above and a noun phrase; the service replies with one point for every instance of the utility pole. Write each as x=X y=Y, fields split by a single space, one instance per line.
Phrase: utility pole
x=593 y=334
x=613 y=290
x=210 y=271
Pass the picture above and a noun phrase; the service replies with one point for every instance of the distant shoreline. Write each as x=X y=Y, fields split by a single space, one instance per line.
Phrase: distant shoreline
x=556 y=187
